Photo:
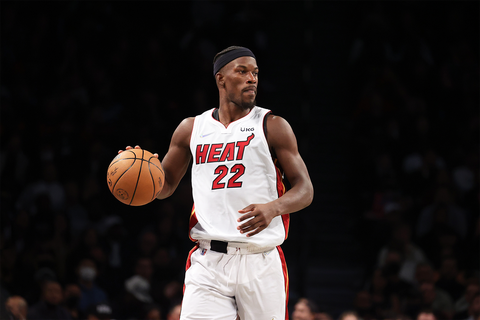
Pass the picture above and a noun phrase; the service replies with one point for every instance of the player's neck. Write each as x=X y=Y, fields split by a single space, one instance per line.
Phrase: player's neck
x=228 y=113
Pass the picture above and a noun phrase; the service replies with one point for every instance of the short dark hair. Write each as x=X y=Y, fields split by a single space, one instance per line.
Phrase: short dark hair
x=218 y=55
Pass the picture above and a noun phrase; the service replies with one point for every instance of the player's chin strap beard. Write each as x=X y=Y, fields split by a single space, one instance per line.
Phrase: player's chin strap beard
x=245 y=105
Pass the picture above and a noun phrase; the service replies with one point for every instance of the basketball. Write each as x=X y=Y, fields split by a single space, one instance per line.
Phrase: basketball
x=135 y=177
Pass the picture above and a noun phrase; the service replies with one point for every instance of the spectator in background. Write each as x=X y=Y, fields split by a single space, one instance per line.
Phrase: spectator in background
x=399 y=290
x=49 y=306
x=141 y=279
x=426 y=314
x=384 y=303
x=448 y=278
x=17 y=308
x=442 y=241
x=474 y=308
x=72 y=298
x=172 y=293
x=421 y=171
x=174 y=312
x=34 y=292
x=116 y=247
x=305 y=309
x=152 y=312
x=363 y=306
x=350 y=315
x=442 y=211
x=462 y=305
x=101 y=311
x=401 y=240
x=136 y=292
x=147 y=244
x=322 y=315
x=48 y=185
x=92 y=294
x=435 y=299
x=88 y=245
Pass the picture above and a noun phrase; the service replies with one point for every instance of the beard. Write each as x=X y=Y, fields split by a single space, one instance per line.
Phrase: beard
x=248 y=105
x=244 y=105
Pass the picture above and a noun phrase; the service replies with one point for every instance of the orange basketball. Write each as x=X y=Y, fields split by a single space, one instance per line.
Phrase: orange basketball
x=135 y=177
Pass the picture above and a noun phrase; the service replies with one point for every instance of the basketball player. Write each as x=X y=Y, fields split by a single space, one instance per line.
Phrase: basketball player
x=239 y=154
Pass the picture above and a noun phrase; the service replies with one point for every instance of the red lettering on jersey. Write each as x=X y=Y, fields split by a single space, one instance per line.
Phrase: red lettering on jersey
x=228 y=152
x=205 y=153
x=241 y=146
x=201 y=153
x=215 y=151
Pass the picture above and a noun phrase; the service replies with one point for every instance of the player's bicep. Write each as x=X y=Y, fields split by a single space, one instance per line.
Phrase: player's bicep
x=176 y=160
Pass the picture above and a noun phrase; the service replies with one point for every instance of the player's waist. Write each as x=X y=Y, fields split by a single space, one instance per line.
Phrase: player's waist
x=232 y=247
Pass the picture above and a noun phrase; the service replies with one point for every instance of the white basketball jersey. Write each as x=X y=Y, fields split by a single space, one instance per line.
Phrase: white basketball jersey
x=233 y=168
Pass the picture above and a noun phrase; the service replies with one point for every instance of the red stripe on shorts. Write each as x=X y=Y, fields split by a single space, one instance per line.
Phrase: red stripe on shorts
x=285 y=276
x=189 y=262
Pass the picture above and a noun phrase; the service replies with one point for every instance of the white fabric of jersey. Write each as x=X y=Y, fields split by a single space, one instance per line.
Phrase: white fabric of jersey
x=232 y=168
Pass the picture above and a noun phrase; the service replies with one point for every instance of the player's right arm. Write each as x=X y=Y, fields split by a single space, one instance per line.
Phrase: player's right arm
x=176 y=160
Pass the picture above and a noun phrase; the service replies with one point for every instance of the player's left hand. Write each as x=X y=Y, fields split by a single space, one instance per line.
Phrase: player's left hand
x=259 y=217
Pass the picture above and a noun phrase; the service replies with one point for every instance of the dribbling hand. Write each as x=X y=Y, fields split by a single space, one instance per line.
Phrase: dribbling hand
x=136 y=147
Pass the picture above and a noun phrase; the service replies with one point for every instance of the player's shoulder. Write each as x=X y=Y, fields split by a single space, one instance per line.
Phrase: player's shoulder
x=278 y=131
x=276 y=122
x=187 y=123
x=184 y=129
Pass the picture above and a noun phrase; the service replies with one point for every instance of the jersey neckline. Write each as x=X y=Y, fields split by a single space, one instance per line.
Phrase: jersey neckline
x=217 y=120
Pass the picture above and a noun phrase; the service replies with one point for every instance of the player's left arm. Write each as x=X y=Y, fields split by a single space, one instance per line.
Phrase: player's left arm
x=283 y=142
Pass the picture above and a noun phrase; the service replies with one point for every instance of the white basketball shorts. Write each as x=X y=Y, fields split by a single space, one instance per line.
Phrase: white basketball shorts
x=221 y=286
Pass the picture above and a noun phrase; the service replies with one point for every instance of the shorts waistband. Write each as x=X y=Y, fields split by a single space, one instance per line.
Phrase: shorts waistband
x=232 y=247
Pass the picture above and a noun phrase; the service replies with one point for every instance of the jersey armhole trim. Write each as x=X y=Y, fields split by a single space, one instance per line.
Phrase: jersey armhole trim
x=265 y=117
x=191 y=132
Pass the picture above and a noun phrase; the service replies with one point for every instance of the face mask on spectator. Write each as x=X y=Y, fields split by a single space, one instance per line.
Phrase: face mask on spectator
x=88 y=273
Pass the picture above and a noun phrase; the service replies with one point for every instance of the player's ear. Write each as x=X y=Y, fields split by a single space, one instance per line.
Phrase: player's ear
x=220 y=79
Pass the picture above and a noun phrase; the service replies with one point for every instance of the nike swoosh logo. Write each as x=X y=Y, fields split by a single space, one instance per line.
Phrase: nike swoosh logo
x=207 y=134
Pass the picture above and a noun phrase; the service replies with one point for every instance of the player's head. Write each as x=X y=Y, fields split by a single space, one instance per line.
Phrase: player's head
x=236 y=73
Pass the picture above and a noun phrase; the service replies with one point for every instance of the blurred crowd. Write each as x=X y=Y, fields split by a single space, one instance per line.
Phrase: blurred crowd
x=415 y=153
x=416 y=126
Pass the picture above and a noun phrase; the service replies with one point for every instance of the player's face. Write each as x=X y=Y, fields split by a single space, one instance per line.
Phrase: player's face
x=241 y=80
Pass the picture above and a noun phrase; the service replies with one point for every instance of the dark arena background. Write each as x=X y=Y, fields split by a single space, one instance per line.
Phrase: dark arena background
x=383 y=98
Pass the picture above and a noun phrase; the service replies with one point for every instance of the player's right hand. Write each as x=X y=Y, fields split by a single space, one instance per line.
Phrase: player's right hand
x=136 y=147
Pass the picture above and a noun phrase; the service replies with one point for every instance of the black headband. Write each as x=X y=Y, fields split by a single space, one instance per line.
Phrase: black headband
x=230 y=56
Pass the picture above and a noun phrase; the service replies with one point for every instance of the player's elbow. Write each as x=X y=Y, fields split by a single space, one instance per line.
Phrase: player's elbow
x=308 y=194
x=166 y=192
